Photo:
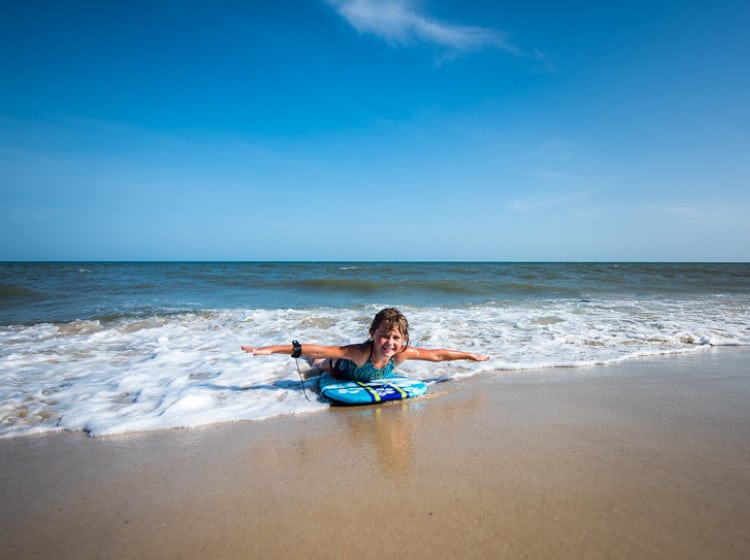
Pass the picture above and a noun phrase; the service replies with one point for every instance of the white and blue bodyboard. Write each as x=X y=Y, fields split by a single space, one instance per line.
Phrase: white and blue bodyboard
x=370 y=392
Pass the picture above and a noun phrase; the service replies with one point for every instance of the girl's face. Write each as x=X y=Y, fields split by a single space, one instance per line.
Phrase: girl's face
x=387 y=341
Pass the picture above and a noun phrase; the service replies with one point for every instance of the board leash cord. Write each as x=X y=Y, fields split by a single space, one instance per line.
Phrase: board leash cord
x=301 y=380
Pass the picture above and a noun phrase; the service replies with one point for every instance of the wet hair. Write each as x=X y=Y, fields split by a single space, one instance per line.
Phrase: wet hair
x=393 y=319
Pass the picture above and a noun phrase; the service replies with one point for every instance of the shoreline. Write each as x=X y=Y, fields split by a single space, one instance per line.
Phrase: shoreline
x=646 y=459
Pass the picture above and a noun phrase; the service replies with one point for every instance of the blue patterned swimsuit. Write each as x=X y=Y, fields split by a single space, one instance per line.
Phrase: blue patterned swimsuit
x=348 y=370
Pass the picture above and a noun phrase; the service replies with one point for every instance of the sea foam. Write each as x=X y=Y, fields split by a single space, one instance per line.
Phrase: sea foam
x=174 y=371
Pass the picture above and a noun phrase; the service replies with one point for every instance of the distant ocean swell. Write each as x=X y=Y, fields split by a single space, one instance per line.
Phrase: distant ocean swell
x=432 y=287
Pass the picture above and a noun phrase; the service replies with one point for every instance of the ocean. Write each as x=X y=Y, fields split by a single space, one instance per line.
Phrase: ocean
x=109 y=348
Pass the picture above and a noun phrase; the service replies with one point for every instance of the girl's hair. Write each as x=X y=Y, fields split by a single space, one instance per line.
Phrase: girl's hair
x=392 y=318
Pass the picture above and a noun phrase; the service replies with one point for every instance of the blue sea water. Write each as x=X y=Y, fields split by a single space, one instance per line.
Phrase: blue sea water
x=115 y=347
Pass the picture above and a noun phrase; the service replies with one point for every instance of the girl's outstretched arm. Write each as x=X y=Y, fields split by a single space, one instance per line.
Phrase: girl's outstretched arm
x=441 y=355
x=313 y=351
x=268 y=350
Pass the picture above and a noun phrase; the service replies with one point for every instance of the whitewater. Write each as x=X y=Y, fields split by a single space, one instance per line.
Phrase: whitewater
x=109 y=349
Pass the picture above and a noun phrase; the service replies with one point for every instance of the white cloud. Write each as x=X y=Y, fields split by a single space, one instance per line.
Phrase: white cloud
x=398 y=23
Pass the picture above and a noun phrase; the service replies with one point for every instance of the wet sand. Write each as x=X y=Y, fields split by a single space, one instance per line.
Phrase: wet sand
x=646 y=459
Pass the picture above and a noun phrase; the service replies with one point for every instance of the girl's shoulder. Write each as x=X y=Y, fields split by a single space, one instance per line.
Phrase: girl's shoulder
x=408 y=353
x=358 y=352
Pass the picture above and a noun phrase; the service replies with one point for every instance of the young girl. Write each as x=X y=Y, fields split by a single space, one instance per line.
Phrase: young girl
x=387 y=347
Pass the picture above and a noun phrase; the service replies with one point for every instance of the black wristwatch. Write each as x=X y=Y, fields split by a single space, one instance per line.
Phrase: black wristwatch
x=296 y=349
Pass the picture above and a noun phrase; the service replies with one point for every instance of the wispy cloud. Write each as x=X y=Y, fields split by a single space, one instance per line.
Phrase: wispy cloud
x=705 y=213
x=525 y=206
x=685 y=211
x=398 y=23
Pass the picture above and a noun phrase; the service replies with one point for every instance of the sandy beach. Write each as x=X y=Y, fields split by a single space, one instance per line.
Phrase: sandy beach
x=645 y=459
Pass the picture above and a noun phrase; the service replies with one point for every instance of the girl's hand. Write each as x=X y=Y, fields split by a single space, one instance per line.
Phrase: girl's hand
x=479 y=357
x=256 y=351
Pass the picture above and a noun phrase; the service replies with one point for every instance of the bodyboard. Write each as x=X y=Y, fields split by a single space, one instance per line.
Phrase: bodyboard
x=370 y=392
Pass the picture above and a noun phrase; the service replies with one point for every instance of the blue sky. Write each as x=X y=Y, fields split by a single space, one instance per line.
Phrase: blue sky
x=364 y=130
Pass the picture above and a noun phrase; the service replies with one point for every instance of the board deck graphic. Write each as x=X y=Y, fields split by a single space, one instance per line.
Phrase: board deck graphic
x=380 y=390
